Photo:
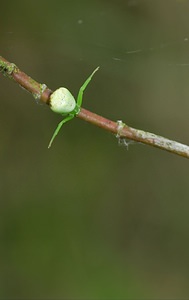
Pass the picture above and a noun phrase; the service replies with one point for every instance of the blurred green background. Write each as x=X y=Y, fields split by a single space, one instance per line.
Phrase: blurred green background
x=88 y=218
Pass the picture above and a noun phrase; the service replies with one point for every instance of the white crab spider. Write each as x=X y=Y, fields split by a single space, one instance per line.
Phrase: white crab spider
x=62 y=102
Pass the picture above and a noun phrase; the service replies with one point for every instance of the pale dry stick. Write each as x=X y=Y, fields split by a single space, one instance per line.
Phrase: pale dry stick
x=42 y=92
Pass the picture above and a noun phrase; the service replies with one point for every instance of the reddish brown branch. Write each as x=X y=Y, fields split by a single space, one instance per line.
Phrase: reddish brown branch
x=121 y=130
x=39 y=91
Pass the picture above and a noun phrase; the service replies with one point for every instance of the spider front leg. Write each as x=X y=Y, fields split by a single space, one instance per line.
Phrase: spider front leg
x=82 y=88
x=68 y=118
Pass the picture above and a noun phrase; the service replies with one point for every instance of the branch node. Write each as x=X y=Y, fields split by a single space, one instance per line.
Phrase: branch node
x=120 y=126
x=7 y=69
x=38 y=95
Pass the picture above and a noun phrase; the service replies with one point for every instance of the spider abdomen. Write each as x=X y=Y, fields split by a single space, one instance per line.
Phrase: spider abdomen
x=62 y=101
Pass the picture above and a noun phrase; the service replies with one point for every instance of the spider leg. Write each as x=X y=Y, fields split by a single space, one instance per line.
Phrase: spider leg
x=83 y=87
x=68 y=118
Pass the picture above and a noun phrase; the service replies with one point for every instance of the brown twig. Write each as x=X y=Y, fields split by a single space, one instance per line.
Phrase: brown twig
x=121 y=130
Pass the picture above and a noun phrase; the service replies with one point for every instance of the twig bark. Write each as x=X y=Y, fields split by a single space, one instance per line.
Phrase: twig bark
x=121 y=130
